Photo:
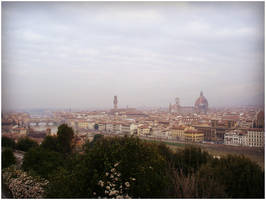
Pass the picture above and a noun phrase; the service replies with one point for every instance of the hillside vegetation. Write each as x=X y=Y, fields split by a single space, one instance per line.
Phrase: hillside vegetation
x=128 y=167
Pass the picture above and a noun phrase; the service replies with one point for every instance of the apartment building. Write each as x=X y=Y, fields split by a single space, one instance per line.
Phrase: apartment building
x=255 y=137
x=177 y=132
x=193 y=135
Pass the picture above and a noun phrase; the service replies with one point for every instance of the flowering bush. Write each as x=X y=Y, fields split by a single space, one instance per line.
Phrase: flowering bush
x=22 y=185
x=113 y=186
x=137 y=159
x=113 y=168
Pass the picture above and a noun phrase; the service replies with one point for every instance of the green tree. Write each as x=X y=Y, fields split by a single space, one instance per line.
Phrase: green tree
x=240 y=177
x=96 y=126
x=135 y=159
x=50 y=143
x=89 y=144
x=190 y=159
x=65 y=136
x=8 y=158
x=25 y=144
x=41 y=161
x=8 y=142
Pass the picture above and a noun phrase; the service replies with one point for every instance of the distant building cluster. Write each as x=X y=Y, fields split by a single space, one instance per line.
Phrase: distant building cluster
x=242 y=126
x=252 y=137
x=200 y=106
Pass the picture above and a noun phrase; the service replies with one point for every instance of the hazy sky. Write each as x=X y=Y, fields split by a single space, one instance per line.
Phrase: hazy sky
x=81 y=54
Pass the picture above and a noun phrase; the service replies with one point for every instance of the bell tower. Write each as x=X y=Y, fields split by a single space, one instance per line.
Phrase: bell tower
x=115 y=102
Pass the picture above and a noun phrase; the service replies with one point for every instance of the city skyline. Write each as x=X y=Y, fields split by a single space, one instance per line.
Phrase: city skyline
x=79 y=55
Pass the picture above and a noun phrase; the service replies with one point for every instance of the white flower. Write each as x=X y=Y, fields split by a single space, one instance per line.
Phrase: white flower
x=133 y=179
x=118 y=174
x=101 y=183
x=112 y=193
x=112 y=176
x=127 y=184
x=108 y=187
x=113 y=170
x=94 y=193
x=116 y=164
x=106 y=174
x=106 y=192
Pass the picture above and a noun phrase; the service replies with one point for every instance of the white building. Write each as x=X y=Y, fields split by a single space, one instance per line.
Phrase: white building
x=255 y=137
x=125 y=128
x=133 y=128
x=116 y=127
x=83 y=124
x=109 y=127
x=91 y=125
x=101 y=126
x=234 y=138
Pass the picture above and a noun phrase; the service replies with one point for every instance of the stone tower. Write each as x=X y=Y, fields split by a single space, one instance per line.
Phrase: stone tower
x=115 y=102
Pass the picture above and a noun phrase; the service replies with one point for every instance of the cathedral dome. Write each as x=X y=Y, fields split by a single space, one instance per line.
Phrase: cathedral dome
x=201 y=103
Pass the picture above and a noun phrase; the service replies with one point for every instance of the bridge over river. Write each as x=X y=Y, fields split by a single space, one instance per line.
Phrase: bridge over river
x=44 y=122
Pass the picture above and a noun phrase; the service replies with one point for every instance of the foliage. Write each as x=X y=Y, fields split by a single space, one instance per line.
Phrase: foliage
x=137 y=159
x=89 y=144
x=240 y=177
x=41 y=161
x=8 y=142
x=62 y=185
x=208 y=187
x=167 y=153
x=132 y=168
x=192 y=187
x=96 y=126
x=22 y=185
x=8 y=158
x=54 y=152
x=183 y=186
x=190 y=159
x=25 y=144
x=50 y=143
x=97 y=137
x=65 y=135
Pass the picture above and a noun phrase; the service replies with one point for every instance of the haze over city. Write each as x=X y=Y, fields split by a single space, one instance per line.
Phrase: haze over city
x=79 y=55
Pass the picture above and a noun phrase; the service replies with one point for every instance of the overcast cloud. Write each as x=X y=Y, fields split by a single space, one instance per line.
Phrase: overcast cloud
x=81 y=54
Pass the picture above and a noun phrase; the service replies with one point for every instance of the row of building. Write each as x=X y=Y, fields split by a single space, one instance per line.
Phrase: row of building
x=253 y=137
x=240 y=126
